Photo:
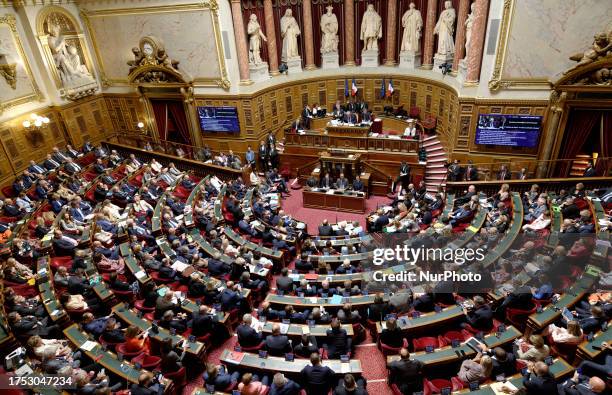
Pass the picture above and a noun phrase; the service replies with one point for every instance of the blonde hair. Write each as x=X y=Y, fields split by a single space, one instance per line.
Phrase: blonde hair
x=487 y=364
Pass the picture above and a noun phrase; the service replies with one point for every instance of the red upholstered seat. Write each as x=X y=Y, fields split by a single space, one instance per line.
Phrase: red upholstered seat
x=148 y=362
x=253 y=348
x=519 y=317
x=128 y=354
x=179 y=378
x=421 y=343
x=58 y=261
x=8 y=191
x=388 y=350
x=139 y=305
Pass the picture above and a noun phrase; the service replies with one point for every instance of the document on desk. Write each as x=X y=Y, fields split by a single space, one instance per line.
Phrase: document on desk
x=345 y=367
x=330 y=192
x=336 y=299
x=88 y=345
x=284 y=328
x=498 y=388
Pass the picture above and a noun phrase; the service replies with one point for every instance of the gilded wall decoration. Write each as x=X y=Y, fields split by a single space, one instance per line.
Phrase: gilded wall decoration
x=17 y=85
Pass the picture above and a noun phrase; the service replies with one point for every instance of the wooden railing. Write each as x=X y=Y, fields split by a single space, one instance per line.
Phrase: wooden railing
x=198 y=168
x=546 y=184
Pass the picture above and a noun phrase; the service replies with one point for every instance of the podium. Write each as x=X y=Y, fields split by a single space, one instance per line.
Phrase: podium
x=336 y=162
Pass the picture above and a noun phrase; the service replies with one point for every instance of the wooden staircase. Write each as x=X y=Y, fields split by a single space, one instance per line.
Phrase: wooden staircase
x=578 y=165
x=435 y=172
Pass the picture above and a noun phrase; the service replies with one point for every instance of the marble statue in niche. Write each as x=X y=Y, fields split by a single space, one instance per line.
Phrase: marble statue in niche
x=469 y=22
x=329 y=29
x=255 y=37
x=371 y=29
x=289 y=33
x=412 y=22
x=71 y=69
x=445 y=30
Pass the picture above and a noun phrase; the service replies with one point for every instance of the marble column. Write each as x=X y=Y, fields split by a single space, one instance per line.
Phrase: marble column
x=241 y=43
x=479 y=29
x=430 y=23
x=391 y=42
x=271 y=36
x=464 y=6
x=308 y=36
x=349 y=33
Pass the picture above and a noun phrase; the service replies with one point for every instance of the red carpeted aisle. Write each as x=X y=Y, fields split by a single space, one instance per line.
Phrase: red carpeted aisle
x=313 y=217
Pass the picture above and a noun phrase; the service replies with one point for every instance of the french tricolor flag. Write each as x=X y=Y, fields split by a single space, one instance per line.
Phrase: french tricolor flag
x=354 y=88
x=390 y=89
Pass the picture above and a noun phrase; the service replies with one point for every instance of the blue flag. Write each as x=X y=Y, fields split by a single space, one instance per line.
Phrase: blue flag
x=346 y=90
x=382 y=89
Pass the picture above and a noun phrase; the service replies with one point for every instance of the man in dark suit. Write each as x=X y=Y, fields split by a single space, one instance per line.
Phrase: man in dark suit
x=284 y=283
x=283 y=386
x=471 y=172
x=317 y=379
x=306 y=346
x=480 y=317
x=539 y=381
x=263 y=153
x=24 y=327
x=306 y=116
x=342 y=182
x=50 y=163
x=35 y=168
x=350 y=117
x=454 y=171
x=276 y=343
x=145 y=386
x=589 y=171
x=230 y=298
x=325 y=229
x=270 y=140
x=358 y=185
x=404 y=175
x=407 y=374
x=247 y=336
x=504 y=173
x=381 y=221
x=71 y=167
x=326 y=182
x=520 y=298
x=349 y=386
x=503 y=362
x=581 y=384
x=219 y=378
x=337 y=341
x=63 y=245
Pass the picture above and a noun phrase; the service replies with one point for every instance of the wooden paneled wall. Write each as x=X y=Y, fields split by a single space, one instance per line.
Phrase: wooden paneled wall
x=464 y=146
x=87 y=119
x=274 y=108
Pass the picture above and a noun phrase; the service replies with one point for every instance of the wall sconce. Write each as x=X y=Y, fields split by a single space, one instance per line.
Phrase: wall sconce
x=141 y=128
x=35 y=123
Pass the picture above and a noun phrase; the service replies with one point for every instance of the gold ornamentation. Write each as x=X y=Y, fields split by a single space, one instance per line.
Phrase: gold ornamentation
x=601 y=48
x=497 y=81
x=9 y=72
x=152 y=64
x=34 y=94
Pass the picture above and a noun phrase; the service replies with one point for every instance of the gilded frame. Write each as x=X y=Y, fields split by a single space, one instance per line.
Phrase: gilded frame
x=498 y=81
x=36 y=94
x=76 y=35
x=211 y=5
